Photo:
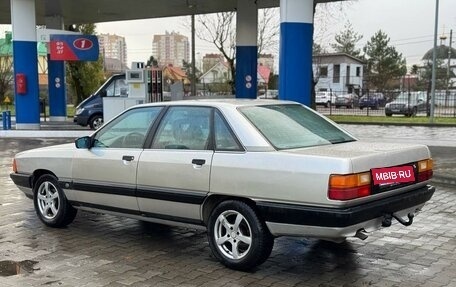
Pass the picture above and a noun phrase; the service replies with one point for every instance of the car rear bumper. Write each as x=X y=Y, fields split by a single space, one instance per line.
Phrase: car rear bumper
x=297 y=220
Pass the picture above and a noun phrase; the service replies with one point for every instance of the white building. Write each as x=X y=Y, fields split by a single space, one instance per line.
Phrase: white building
x=113 y=47
x=171 y=48
x=338 y=72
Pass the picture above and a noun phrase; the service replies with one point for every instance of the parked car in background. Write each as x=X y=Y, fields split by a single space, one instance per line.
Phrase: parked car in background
x=245 y=170
x=90 y=111
x=270 y=94
x=325 y=98
x=348 y=100
x=372 y=100
x=408 y=104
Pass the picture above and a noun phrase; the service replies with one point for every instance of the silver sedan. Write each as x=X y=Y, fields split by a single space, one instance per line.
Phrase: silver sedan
x=245 y=170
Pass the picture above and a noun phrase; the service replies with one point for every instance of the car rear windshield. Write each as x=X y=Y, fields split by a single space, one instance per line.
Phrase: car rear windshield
x=293 y=126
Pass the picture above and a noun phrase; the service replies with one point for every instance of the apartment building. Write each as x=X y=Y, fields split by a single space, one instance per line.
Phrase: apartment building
x=171 y=48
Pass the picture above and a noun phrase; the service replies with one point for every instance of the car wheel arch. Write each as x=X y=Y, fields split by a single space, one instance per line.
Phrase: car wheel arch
x=213 y=200
x=40 y=172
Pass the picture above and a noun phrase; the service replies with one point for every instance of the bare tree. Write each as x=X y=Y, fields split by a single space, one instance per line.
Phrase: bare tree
x=220 y=29
x=268 y=30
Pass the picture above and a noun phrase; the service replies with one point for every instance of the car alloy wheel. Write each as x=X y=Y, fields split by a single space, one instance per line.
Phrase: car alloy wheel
x=50 y=202
x=96 y=122
x=237 y=236
x=233 y=234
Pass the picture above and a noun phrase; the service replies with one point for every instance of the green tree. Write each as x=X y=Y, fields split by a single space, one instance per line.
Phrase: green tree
x=152 y=62
x=346 y=41
x=187 y=68
x=6 y=67
x=425 y=75
x=384 y=63
x=317 y=49
x=84 y=77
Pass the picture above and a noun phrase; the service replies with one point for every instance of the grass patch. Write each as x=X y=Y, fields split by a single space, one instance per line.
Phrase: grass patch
x=70 y=110
x=392 y=120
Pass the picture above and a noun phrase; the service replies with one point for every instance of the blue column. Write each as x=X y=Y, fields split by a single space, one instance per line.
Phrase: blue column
x=56 y=78
x=296 y=38
x=246 y=49
x=25 y=61
x=57 y=96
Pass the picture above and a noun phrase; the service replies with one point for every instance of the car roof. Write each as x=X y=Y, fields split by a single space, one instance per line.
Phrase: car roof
x=222 y=102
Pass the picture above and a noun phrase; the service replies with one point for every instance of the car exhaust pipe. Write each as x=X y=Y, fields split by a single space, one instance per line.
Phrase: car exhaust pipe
x=361 y=234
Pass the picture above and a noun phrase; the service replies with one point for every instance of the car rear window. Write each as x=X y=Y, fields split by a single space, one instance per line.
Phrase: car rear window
x=293 y=126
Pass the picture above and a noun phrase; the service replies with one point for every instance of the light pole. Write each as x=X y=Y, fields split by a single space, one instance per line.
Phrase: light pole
x=434 y=56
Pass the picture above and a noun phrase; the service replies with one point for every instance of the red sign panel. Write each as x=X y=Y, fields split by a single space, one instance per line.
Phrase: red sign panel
x=400 y=174
x=74 y=47
x=82 y=44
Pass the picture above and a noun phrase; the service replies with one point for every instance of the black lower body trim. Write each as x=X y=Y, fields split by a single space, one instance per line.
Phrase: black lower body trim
x=342 y=217
x=23 y=180
x=137 y=213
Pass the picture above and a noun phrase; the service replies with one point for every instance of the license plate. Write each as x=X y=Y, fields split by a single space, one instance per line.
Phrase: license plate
x=392 y=175
x=395 y=111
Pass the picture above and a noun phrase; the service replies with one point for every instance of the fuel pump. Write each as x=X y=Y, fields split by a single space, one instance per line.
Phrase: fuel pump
x=136 y=79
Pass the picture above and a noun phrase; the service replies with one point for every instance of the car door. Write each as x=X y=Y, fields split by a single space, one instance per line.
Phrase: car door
x=173 y=174
x=104 y=176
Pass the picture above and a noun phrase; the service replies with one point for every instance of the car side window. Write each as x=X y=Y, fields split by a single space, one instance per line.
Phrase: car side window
x=184 y=128
x=128 y=130
x=224 y=137
x=118 y=88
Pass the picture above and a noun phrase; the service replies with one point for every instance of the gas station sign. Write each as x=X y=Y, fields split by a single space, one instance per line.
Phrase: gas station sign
x=74 y=47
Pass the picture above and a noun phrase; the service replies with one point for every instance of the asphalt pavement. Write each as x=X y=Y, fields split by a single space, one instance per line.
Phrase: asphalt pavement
x=105 y=250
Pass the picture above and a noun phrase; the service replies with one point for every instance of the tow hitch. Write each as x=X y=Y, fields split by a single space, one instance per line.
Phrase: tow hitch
x=387 y=218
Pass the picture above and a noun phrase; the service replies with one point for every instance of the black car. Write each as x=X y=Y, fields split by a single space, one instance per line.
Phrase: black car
x=373 y=101
x=407 y=104
x=90 y=111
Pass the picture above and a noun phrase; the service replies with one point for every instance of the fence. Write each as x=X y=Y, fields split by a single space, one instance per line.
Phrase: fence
x=390 y=103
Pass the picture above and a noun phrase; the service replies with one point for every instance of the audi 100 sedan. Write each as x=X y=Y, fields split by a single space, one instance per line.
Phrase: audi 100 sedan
x=246 y=170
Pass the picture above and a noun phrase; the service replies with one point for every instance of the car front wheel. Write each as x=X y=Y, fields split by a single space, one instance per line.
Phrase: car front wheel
x=96 y=122
x=237 y=237
x=50 y=202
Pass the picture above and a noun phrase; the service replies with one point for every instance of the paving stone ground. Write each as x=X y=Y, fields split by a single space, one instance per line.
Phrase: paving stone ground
x=104 y=250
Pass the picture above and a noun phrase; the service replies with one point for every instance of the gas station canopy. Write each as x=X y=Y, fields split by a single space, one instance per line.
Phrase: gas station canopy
x=95 y=11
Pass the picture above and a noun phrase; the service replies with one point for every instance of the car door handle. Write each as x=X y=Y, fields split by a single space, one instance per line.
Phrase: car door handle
x=198 y=161
x=128 y=157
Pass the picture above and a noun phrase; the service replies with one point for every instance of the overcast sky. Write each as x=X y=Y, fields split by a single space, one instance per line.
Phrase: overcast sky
x=409 y=24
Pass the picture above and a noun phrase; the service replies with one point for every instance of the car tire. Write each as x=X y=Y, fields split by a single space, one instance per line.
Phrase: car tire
x=50 y=202
x=388 y=114
x=238 y=238
x=96 y=122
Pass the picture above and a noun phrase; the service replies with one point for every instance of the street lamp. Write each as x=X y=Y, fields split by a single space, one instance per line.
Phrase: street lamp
x=434 y=56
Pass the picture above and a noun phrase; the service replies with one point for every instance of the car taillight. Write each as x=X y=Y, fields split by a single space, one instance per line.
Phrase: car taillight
x=346 y=187
x=14 y=166
x=425 y=169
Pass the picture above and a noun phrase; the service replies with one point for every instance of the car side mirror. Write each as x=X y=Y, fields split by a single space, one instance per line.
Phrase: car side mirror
x=83 y=143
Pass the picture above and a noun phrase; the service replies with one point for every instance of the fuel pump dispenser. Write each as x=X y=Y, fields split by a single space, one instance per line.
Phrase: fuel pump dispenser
x=136 y=80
